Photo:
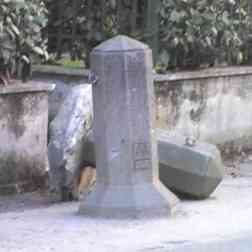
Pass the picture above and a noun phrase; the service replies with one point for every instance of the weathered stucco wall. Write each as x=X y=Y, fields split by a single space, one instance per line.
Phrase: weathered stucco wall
x=213 y=104
x=23 y=135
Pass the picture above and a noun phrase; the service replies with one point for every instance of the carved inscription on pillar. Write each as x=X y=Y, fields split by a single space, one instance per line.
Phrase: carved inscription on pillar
x=142 y=156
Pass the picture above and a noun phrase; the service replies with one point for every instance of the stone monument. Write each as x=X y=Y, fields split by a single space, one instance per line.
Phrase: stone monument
x=125 y=142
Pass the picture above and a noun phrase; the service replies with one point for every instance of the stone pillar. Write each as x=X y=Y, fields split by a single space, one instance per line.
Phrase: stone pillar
x=125 y=142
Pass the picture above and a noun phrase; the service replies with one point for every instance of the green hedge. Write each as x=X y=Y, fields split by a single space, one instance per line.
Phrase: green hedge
x=190 y=33
x=21 y=22
x=197 y=33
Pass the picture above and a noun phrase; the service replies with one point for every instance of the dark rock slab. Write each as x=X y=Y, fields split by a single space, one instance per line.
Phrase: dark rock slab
x=192 y=171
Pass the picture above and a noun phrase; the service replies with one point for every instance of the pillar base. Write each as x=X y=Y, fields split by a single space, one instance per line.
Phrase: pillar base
x=129 y=202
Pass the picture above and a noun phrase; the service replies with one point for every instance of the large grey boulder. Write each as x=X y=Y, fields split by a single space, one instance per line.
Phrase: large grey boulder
x=193 y=171
x=68 y=149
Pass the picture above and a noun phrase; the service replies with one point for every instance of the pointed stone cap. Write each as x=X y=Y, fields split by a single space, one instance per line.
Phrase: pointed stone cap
x=121 y=43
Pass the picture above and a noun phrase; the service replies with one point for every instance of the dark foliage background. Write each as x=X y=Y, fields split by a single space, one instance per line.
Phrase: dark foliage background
x=182 y=33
